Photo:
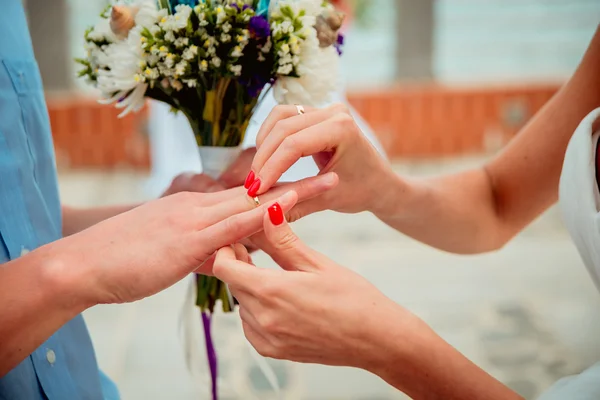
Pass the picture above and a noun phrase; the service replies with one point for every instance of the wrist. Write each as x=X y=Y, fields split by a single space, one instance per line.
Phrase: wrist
x=391 y=195
x=63 y=279
x=398 y=342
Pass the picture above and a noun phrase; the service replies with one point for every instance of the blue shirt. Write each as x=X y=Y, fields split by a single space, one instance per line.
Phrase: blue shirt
x=63 y=367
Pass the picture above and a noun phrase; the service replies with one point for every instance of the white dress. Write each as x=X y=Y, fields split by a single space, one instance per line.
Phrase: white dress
x=580 y=205
x=174 y=150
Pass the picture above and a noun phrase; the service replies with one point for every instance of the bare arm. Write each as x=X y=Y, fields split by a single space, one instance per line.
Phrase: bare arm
x=310 y=312
x=35 y=305
x=480 y=210
x=77 y=219
x=411 y=357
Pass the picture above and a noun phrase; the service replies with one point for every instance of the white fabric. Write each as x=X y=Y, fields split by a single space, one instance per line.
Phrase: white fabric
x=579 y=198
x=580 y=205
x=174 y=149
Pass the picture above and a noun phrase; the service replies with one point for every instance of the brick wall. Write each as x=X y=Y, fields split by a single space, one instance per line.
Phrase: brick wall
x=89 y=135
x=433 y=121
x=411 y=121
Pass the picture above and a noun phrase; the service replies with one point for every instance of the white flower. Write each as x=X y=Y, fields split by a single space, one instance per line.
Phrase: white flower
x=123 y=82
x=170 y=60
x=170 y=36
x=312 y=8
x=191 y=82
x=226 y=27
x=154 y=29
x=216 y=61
x=286 y=27
x=225 y=37
x=181 y=42
x=285 y=69
x=237 y=52
x=163 y=51
x=221 y=15
x=102 y=32
x=203 y=65
x=287 y=59
x=165 y=71
x=148 y=14
x=152 y=59
x=177 y=21
x=267 y=47
x=284 y=49
x=151 y=73
x=318 y=75
x=190 y=52
x=180 y=67
x=236 y=69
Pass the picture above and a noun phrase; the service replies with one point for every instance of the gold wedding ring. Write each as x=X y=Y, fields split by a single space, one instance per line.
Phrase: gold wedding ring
x=256 y=201
x=300 y=109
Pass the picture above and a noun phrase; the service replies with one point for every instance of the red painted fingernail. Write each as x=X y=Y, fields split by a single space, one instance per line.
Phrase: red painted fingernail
x=253 y=189
x=249 y=180
x=276 y=214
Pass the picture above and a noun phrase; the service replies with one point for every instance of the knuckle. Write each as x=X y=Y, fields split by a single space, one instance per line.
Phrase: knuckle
x=185 y=197
x=290 y=144
x=266 y=350
x=281 y=126
x=280 y=111
x=266 y=321
x=345 y=124
x=341 y=108
x=233 y=225
x=271 y=291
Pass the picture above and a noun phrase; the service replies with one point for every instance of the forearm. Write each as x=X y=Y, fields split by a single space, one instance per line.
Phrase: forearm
x=36 y=301
x=413 y=359
x=77 y=219
x=480 y=210
x=454 y=213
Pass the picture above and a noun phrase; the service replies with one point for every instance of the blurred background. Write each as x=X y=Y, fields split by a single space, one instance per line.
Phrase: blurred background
x=444 y=84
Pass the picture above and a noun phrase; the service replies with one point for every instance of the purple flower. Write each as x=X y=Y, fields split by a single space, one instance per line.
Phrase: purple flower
x=339 y=43
x=259 y=27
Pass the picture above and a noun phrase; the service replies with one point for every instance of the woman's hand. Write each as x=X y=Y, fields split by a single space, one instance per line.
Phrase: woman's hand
x=314 y=310
x=336 y=143
x=140 y=252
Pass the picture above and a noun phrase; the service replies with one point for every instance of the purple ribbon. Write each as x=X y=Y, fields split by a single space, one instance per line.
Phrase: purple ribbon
x=210 y=352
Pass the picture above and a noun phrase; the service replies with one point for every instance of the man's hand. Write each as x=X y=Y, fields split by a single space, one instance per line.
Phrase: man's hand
x=234 y=176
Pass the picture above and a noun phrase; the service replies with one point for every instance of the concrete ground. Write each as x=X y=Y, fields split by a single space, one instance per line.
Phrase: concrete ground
x=528 y=314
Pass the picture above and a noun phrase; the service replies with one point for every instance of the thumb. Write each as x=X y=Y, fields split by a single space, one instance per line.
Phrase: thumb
x=282 y=244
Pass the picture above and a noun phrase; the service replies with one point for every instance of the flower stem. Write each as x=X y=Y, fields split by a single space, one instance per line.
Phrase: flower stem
x=210 y=352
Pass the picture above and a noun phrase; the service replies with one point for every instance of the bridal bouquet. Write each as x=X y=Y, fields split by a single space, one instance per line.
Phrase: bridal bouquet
x=213 y=60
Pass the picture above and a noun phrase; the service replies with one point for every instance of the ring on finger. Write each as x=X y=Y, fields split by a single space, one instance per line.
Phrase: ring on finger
x=256 y=201
x=300 y=109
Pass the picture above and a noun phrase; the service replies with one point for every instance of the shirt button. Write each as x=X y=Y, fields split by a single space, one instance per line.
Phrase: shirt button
x=50 y=356
x=24 y=251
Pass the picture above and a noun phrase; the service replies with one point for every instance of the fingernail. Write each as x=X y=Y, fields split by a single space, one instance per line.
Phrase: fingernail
x=276 y=214
x=249 y=180
x=253 y=189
